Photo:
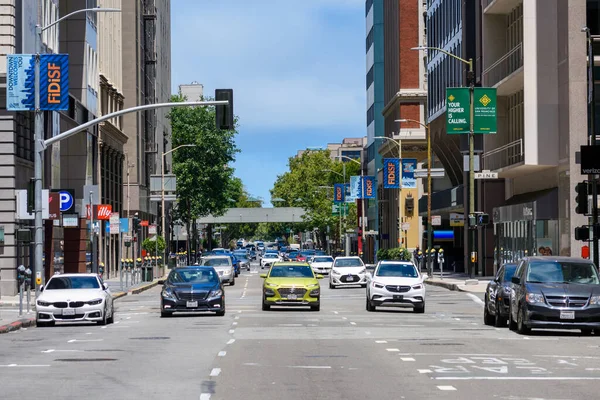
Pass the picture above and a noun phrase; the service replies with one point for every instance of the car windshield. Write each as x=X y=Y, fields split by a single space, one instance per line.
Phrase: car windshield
x=291 y=271
x=509 y=271
x=194 y=275
x=348 y=262
x=73 y=282
x=562 y=272
x=270 y=255
x=240 y=254
x=217 y=262
x=399 y=270
x=323 y=259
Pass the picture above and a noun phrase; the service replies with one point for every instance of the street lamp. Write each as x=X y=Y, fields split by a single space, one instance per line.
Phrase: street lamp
x=470 y=77
x=429 y=227
x=362 y=201
x=38 y=146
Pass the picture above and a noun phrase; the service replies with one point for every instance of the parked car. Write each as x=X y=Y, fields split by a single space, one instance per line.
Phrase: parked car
x=396 y=284
x=192 y=289
x=556 y=293
x=224 y=267
x=348 y=271
x=291 y=284
x=74 y=297
x=497 y=296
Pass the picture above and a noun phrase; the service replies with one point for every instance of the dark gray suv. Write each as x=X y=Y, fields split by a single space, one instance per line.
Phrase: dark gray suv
x=555 y=293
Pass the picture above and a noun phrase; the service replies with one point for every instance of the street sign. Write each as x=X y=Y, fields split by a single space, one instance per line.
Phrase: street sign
x=54 y=206
x=66 y=199
x=458 y=117
x=127 y=238
x=484 y=110
x=70 y=220
x=124 y=225
x=115 y=223
x=337 y=207
x=436 y=220
x=371 y=233
x=486 y=174
x=152 y=230
x=86 y=195
x=457 y=219
x=144 y=223
x=405 y=226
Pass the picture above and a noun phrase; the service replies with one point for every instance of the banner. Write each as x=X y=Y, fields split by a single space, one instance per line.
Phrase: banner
x=408 y=173
x=338 y=193
x=355 y=188
x=391 y=177
x=369 y=187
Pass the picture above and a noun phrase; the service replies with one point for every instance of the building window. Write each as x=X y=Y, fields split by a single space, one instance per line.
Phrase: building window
x=370 y=38
x=370 y=77
x=368 y=6
x=25 y=131
x=370 y=115
x=354 y=154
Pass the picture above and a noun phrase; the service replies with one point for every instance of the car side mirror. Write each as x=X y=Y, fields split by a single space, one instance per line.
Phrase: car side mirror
x=425 y=276
x=263 y=276
x=104 y=286
x=41 y=288
x=320 y=277
x=161 y=282
x=515 y=280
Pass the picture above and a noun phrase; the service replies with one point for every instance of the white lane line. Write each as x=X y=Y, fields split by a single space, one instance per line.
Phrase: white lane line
x=407 y=359
x=89 y=333
x=393 y=350
x=335 y=312
x=289 y=325
x=104 y=327
x=310 y=366
x=518 y=378
x=236 y=317
x=205 y=396
x=117 y=322
x=23 y=366
x=475 y=299
x=235 y=323
x=458 y=319
x=215 y=372
x=231 y=331
x=84 y=340
x=352 y=323
x=344 y=318
x=381 y=341
x=222 y=353
x=424 y=371
x=62 y=351
x=446 y=387
x=128 y=318
x=231 y=341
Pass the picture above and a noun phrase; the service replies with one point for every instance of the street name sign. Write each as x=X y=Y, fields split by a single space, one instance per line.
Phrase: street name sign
x=486 y=175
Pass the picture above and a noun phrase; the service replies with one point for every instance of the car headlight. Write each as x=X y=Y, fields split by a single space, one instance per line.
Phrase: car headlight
x=43 y=303
x=595 y=300
x=168 y=293
x=533 y=298
x=335 y=272
x=270 y=284
x=228 y=272
x=378 y=285
x=417 y=287
x=362 y=271
x=94 y=302
x=216 y=293
x=314 y=285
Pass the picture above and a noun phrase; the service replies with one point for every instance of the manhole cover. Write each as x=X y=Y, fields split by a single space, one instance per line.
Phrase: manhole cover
x=151 y=338
x=85 y=359
x=442 y=344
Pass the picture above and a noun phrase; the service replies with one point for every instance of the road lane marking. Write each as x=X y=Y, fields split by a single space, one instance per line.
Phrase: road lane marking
x=23 y=366
x=335 y=312
x=424 y=371
x=310 y=366
x=231 y=331
x=352 y=323
x=446 y=387
x=89 y=333
x=62 y=351
x=84 y=340
x=517 y=378
x=205 y=396
x=476 y=299
x=235 y=323
x=215 y=372
x=407 y=359
x=231 y=341
x=393 y=350
x=127 y=317
x=236 y=317
x=381 y=341
x=222 y=353
x=344 y=318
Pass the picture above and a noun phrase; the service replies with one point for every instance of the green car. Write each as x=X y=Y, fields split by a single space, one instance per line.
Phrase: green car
x=291 y=284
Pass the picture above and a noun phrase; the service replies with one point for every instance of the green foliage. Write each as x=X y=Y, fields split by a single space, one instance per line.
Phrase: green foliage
x=397 y=253
x=204 y=175
x=150 y=245
x=239 y=197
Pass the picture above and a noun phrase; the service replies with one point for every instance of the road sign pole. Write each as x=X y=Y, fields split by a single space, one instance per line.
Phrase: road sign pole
x=471 y=166
x=120 y=266
x=38 y=161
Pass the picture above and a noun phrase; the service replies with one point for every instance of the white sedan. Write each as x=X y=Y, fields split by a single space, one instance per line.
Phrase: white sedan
x=268 y=259
x=397 y=284
x=74 y=297
x=348 y=271
x=321 y=264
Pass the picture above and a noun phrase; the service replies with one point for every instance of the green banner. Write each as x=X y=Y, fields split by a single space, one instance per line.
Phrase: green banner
x=458 y=118
x=336 y=207
x=484 y=110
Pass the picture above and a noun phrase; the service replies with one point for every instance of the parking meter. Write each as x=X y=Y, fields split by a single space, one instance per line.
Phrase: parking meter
x=431 y=261
x=441 y=261
x=21 y=280
x=101 y=269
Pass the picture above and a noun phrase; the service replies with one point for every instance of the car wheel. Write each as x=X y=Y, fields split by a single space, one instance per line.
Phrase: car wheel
x=104 y=320
x=232 y=283
x=512 y=325
x=220 y=313
x=521 y=327
x=331 y=286
x=499 y=321
x=266 y=307
x=111 y=320
x=487 y=318
x=166 y=314
x=586 y=332
x=370 y=306
x=419 y=308
x=315 y=308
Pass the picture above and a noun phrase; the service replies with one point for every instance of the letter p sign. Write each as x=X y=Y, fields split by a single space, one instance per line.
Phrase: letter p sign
x=67 y=200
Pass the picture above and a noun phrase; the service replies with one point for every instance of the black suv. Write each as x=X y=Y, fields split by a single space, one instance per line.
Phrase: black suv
x=555 y=293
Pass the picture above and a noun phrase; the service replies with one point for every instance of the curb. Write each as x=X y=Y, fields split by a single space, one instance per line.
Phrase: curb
x=446 y=285
x=15 y=326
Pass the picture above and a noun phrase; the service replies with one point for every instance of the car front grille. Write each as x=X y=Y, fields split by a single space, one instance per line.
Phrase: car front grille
x=297 y=291
x=345 y=278
x=76 y=304
x=397 y=289
x=567 y=301
x=199 y=295
x=61 y=304
x=66 y=317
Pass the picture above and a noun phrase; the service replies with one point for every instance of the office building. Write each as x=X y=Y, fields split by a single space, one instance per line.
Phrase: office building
x=354 y=148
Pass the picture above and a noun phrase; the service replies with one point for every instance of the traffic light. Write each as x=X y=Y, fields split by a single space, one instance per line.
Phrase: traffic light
x=136 y=224
x=483 y=219
x=424 y=220
x=582 y=198
x=224 y=113
x=31 y=196
x=582 y=233
x=409 y=204
x=398 y=223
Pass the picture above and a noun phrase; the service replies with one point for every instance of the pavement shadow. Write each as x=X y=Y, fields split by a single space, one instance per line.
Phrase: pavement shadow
x=291 y=310
x=394 y=310
x=555 y=333
x=194 y=315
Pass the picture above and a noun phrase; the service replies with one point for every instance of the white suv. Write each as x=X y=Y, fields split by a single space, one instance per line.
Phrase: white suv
x=348 y=271
x=397 y=284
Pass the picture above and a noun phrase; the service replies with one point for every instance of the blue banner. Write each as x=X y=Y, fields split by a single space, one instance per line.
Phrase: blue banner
x=369 y=187
x=124 y=225
x=107 y=227
x=391 y=173
x=54 y=82
x=408 y=173
x=355 y=192
x=338 y=193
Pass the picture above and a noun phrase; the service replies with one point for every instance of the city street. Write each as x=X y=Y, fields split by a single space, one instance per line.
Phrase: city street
x=341 y=352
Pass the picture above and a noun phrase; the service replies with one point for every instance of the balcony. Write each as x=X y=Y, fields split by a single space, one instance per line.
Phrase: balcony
x=505 y=159
x=506 y=74
x=499 y=6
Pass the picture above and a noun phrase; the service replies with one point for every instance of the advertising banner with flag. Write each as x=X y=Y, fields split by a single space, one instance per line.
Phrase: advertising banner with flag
x=408 y=173
x=391 y=173
x=355 y=189
x=369 y=187
x=338 y=193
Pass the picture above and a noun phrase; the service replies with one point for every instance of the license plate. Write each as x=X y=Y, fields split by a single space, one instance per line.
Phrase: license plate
x=567 y=315
x=292 y=296
x=68 y=311
x=398 y=297
x=349 y=279
x=191 y=304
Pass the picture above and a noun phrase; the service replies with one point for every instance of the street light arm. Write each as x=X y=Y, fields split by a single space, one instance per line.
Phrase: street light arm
x=106 y=117
x=412 y=120
x=178 y=147
x=332 y=171
x=95 y=9
x=468 y=62
x=351 y=159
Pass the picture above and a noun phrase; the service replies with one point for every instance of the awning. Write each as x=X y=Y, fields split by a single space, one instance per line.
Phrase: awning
x=539 y=205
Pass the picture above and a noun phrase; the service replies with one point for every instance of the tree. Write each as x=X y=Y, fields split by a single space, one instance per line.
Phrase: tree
x=150 y=244
x=240 y=198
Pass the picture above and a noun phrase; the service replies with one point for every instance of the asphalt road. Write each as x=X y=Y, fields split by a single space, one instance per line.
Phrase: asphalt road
x=341 y=352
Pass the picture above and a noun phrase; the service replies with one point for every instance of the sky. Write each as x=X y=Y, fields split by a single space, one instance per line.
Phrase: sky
x=297 y=69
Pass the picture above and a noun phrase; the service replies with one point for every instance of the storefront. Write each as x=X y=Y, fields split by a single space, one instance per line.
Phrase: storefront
x=528 y=226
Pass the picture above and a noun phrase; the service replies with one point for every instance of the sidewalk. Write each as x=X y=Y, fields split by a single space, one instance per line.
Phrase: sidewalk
x=459 y=282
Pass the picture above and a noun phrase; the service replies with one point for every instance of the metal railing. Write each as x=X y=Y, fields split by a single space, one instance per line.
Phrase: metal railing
x=503 y=156
x=506 y=65
x=486 y=3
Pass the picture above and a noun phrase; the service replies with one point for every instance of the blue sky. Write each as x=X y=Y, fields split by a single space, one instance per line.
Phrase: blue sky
x=297 y=69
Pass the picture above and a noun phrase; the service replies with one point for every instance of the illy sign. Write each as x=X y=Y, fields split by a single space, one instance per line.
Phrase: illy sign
x=101 y=211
